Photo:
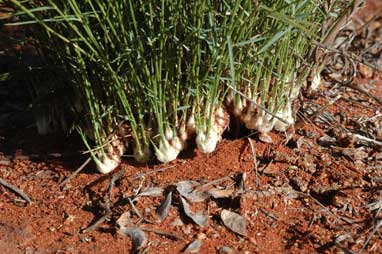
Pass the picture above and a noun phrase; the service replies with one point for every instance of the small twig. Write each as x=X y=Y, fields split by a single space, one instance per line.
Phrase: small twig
x=268 y=214
x=370 y=236
x=101 y=220
x=98 y=222
x=139 y=187
x=359 y=138
x=136 y=211
x=267 y=166
x=361 y=90
x=316 y=113
x=258 y=105
x=344 y=249
x=254 y=161
x=160 y=232
x=323 y=207
x=139 y=175
x=16 y=190
x=115 y=178
x=75 y=173
x=355 y=58
x=211 y=183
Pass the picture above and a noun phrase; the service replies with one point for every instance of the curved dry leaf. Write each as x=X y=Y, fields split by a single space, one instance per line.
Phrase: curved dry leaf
x=265 y=138
x=137 y=236
x=198 y=218
x=198 y=196
x=194 y=247
x=152 y=192
x=240 y=182
x=186 y=189
x=218 y=193
x=165 y=206
x=234 y=222
x=124 y=220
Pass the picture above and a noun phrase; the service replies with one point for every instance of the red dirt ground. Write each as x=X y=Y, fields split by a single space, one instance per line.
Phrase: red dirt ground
x=311 y=194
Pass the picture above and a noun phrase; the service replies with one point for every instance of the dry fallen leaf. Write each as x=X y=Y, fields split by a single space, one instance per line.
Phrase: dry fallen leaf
x=194 y=247
x=151 y=192
x=137 y=236
x=218 y=193
x=234 y=222
x=198 y=218
x=125 y=220
x=186 y=189
x=165 y=206
x=265 y=138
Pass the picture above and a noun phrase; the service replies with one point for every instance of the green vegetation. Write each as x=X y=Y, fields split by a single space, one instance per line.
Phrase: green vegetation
x=155 y=73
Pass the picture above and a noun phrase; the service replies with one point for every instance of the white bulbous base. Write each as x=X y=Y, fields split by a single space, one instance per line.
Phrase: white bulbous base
x=207 y=143
x=106 y=165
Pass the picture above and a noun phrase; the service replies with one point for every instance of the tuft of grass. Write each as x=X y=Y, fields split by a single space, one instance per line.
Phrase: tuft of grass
x=154 y=73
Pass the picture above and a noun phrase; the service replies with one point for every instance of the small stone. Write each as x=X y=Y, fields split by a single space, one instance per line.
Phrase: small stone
x=177 y=222
x=326 y=141
x=271 y=171
x=264 y=137
x=378 y=156
x=187 y=229
x=5 y=162
x=194 y=247
x=365 y=71
x=299 y=184
x=201 y=236
x=225 y=249
x=21 y=157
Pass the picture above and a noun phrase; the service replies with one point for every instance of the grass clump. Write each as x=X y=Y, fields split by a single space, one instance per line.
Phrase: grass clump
x=155 y=73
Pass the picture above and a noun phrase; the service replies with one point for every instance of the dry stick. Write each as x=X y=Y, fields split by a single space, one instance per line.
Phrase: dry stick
x=160 y=232
x=153 y=171
x=316 y=113
x=16 y=190
x=136 y=211
x=258 y=105
x=324 y=207
x=355 y=58
x=212 y=183
x=101 y=220
x=254 y=161
x=267 y=166
x=361 y=90
x=346 y=250
x=75 y=173
x=370 y=236
x=268 y=214
x=375 y=143
x=98 y=222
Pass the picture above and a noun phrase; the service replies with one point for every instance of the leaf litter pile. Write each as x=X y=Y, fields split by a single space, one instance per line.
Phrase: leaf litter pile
x=315 y=189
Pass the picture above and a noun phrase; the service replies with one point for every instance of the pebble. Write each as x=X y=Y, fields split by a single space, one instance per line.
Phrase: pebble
x=187 y=229
x=365 y=71
x=177 y=222
x=21 y=157
x=265 y=138
x=326 y=141
x=5 y=162
x=299 y=183
x=225 y=249
x=201 y=236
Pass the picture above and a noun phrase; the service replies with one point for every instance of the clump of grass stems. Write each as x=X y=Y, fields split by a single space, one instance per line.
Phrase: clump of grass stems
x=154 y=73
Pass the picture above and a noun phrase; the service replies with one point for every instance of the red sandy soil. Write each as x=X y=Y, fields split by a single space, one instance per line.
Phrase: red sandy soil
x=329 y=213
x=305 y=193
